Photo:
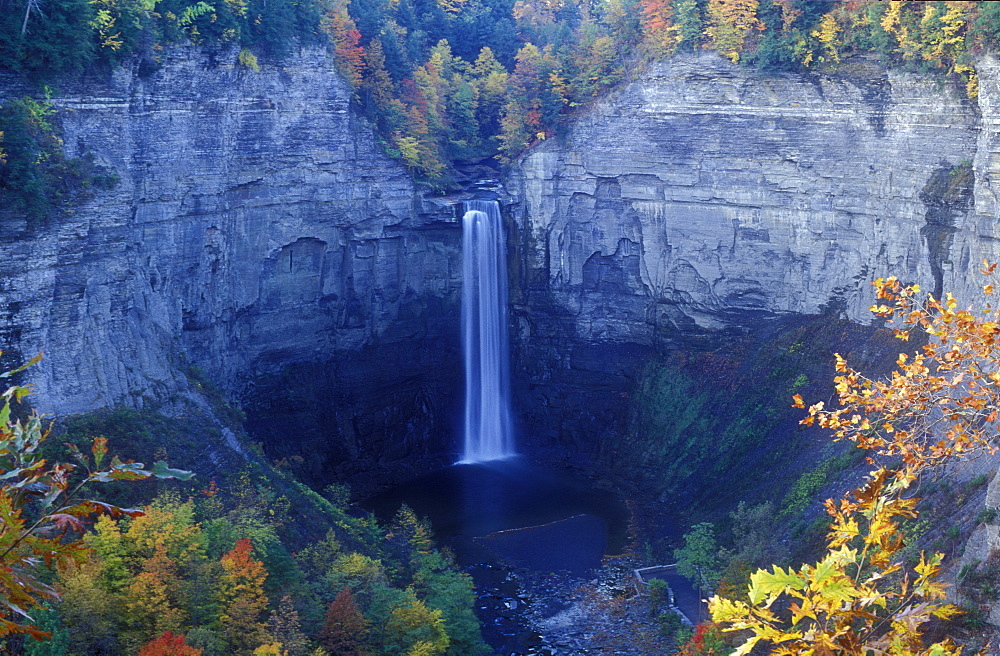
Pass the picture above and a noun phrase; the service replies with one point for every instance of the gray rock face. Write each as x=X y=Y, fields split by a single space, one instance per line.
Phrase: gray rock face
x=257 y=225
x=703 y=199
x=701 y=196
x=259 y=232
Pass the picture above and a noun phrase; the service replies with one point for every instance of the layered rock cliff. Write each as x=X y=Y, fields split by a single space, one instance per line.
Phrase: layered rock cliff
x=702 y=200
x=259 y=233
x=257 y=227
x=702 y=195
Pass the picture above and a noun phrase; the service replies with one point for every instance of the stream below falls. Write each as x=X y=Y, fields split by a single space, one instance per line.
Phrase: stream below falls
x=532 y=538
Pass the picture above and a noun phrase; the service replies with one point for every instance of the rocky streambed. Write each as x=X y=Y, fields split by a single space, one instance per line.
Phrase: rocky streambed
x=562 y=614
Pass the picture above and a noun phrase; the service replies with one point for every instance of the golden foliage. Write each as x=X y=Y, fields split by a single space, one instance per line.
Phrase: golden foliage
x=730 y=21
x=941 y=403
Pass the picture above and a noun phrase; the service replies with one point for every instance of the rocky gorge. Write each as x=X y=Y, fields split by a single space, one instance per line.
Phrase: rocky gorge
x=259 y=233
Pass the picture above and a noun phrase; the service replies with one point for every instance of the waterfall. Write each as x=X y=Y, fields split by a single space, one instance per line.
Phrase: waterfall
x=488 y=434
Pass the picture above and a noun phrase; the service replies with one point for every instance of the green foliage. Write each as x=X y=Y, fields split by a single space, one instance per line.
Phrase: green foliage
x=56 y=36
x=249 y=60
x=41 y=512
x=433 y=109
x=698 y=559
x=804 y=490
x=979 y=582
x=144 y=435
x=167 y=571
x=35 y=177
x=670 y=623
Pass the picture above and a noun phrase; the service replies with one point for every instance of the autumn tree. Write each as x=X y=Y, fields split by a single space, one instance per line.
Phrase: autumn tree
x=168 y=644
x=943 y=401
x=729 y=24
x=941 y=404
x=41 y=508
x=443 y=587
x=661 y=33
x=284 y=625
x=91 y=611
x=598 y=66
x=242 y=597
x=345 y=629
x=345 y=37
x=535 y=97
x=414 y=629
x=489 y=78
x=827 y=32
x=902 y=22
x=152 y=598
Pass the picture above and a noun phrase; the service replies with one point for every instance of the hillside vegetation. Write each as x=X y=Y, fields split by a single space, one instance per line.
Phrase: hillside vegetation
x=449 y=82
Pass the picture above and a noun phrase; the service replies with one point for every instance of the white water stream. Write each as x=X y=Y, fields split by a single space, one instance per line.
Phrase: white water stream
x=488 y=431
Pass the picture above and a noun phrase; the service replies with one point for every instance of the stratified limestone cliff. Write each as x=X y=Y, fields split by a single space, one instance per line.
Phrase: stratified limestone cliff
x=257 y=226
x=703 y=199
x=703 y=195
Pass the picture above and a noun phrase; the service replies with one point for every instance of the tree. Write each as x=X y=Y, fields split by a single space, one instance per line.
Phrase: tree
x=858 y=598
x=346 y=40
x=414 y=629
x=698 y=559
x=345 y=629
x=168 y=644
x=658 y=27
x=689 y=24
x=941 y=404
x=41 y=510
x=151 y=602
x=284 y=625
x=730 y=21
x=827 y=32
x=444 y=588
x=86 y=606
x=241 y=592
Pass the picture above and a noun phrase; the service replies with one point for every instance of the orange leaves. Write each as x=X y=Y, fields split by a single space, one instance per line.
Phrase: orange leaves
x=346 y=40
x=658 y=26
x=41 y=516
x=939 y=402
x=168 y=644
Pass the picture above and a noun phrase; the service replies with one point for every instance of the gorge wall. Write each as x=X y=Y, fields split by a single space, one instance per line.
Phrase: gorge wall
x=257 y=232
x=703 y=200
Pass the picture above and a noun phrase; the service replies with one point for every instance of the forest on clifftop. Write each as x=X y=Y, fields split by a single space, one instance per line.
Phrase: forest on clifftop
x=452 y=82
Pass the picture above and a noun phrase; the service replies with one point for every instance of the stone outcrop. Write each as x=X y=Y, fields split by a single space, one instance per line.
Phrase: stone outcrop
x=259 y=233
x=703 y=199
x=257 y=225
x=702 y=196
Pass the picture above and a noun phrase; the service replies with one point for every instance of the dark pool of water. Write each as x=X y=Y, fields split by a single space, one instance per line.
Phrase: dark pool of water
x=514 y=512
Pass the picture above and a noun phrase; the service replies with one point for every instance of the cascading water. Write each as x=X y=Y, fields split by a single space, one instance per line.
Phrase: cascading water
x=488 y=432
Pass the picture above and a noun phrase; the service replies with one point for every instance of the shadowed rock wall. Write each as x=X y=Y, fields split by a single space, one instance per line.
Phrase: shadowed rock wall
x=259 y=233
x=257 y=225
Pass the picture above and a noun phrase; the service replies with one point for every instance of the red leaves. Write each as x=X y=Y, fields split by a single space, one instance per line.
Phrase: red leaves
x=168 y=644
x=40 y=510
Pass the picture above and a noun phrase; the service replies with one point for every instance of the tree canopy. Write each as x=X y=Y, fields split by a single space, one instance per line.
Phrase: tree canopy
x=461 y=81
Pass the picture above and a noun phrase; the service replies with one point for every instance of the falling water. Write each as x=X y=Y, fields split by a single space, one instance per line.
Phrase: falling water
x=488 y=434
